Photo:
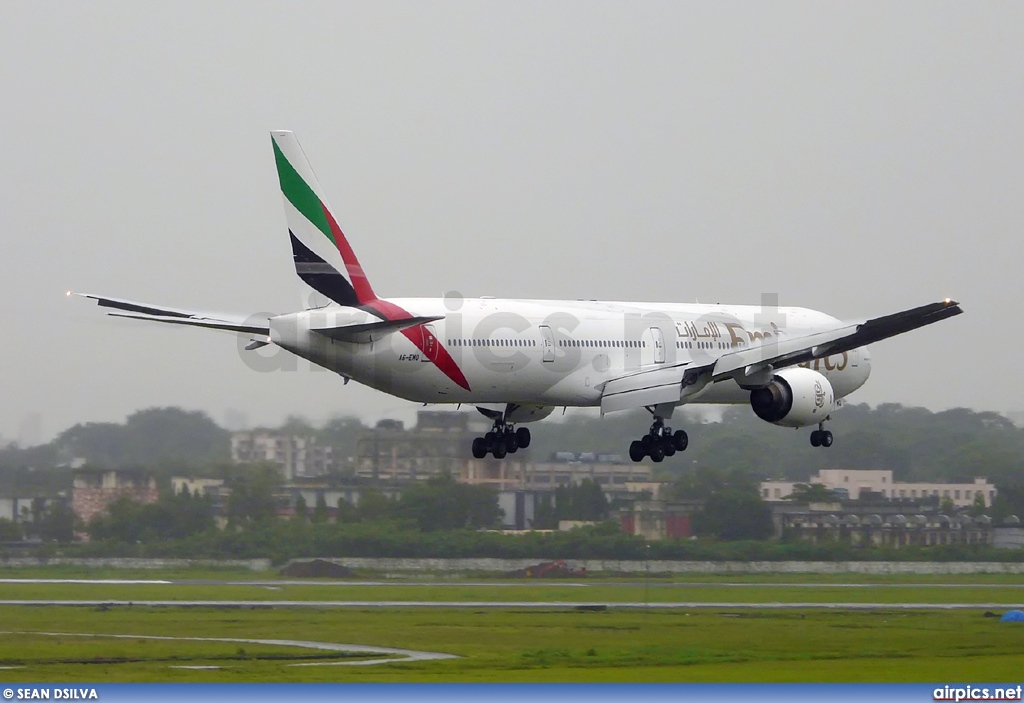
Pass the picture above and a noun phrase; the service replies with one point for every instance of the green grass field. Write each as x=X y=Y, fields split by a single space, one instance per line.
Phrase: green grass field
x=557 y=645
x=570 y=646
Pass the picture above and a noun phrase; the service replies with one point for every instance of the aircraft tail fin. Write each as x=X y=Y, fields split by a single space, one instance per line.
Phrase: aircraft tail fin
x=324 y=260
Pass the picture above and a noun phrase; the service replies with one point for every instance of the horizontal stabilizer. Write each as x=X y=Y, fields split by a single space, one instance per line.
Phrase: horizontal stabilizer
x=176 y=316
x=364 y=333
x=198 y=322
x=132 y=306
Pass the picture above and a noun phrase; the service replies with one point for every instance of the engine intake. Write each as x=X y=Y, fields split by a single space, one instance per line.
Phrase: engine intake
x=796 y=397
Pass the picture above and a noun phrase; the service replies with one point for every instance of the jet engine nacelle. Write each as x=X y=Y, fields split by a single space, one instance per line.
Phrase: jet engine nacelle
x=796 y=397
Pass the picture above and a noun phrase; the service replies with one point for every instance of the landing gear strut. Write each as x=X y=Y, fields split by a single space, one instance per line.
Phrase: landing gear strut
x=821 y=437
x=501 y=440
x=659 y=443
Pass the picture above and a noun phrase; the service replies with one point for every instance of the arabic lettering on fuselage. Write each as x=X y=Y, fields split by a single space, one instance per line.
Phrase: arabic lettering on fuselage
x=737 y=333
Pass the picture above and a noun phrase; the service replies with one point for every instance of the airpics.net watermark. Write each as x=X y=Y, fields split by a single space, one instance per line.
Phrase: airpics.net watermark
x=507 y=342
x=977 y=693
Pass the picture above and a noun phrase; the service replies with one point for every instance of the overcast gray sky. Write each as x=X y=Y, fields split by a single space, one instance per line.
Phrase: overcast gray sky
x=857 y=158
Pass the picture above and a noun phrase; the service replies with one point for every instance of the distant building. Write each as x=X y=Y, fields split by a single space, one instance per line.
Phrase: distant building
x=197 y=486
x=658 y=519
x=95 y=489
x=1008 y=536
x=510 y=475
x=24 y=509
x=311 y=493
x=860 y=484
x=879 y=524
x=212 y=489
x=392 y=454
x=518 y=508
x=298 y=456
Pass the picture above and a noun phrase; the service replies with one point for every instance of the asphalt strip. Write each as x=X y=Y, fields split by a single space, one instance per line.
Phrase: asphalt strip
x=406 y=654
x=547 y=605
x=544 y=583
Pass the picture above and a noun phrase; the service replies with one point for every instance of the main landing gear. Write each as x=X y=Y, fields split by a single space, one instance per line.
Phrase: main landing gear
x=659 y=443
x=501 y=440
x=821 y=437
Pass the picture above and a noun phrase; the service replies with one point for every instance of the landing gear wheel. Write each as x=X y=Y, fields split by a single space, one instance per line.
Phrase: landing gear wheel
x=816 y=438
x=659 y=442
x=636 y=450
x=826 y=438
x=523 y=437
x=657 y=452
x=501 y=440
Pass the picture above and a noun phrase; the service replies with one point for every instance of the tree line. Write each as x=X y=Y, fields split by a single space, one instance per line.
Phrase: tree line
x=721 y=470
x=915 y=443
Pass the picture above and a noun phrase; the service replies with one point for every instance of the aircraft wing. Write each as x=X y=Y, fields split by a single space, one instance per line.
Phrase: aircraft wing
x=754 y=365
x=176 y=316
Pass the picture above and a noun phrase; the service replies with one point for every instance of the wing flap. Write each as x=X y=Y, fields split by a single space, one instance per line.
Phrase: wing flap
x=661 y=385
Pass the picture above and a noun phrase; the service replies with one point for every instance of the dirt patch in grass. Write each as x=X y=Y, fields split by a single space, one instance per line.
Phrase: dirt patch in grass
x=316 y=568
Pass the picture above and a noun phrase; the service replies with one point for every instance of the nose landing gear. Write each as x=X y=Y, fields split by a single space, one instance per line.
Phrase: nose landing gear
x=821 y=437
x=659 y=443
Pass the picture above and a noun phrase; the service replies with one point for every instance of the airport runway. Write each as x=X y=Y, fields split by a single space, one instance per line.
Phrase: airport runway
x=520 y=605
x=545 y=583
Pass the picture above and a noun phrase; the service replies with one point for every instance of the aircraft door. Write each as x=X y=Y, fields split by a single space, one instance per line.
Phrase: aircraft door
x=429 y=343
x=658 y=339
x=547 y=343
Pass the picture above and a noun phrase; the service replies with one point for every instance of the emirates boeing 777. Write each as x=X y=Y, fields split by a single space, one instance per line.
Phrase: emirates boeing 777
x=517 y=360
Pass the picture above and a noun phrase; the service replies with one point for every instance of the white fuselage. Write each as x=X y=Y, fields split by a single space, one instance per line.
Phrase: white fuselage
x=550 y=353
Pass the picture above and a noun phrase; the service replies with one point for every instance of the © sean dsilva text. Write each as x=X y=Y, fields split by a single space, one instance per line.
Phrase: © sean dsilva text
x=43 y=693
